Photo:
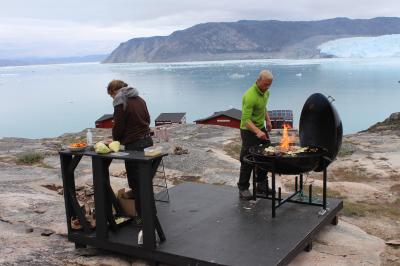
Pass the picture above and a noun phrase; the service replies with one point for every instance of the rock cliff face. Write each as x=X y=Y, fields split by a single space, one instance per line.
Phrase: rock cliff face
x=249 y=40
x=392 y=123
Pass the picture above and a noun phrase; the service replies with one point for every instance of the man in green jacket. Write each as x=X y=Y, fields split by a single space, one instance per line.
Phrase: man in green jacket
x=253 y=131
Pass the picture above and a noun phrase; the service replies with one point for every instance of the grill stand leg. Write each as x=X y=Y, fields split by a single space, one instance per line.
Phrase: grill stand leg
x=301 y=183
x=273 y=190
x=254 y=182
x=324 y=188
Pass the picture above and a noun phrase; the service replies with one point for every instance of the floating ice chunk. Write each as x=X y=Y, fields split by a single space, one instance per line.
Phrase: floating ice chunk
x=236 y=76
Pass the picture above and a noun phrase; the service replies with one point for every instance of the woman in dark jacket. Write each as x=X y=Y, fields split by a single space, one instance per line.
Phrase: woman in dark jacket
x=131 y=127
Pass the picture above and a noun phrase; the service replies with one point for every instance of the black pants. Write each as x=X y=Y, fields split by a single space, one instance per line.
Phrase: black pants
x=132 y=169
x=249 y=139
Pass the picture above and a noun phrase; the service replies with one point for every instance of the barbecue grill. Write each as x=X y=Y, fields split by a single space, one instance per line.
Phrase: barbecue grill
x=321 y=130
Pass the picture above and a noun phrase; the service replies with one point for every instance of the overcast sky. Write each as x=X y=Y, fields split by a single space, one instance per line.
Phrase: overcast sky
x=56 y=28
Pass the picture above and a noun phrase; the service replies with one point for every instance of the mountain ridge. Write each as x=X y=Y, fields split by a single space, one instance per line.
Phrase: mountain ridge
x=249 y=39
x=52 y=60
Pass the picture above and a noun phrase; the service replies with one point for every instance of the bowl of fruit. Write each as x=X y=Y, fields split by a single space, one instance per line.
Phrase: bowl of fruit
x=78 y=146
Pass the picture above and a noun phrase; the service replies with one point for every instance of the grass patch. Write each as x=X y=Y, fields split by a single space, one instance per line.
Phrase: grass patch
x=233 y=149
x=317 y=191
x=355 y=174
x=329 y=192
x=346 y=149
x=364 y=209
x=186 y=178
x=45 y=165
x=30 y=158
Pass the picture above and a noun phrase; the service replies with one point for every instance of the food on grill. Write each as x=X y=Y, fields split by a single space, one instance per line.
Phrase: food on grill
x=292 y=151
x=102 y=148
x=114 y=146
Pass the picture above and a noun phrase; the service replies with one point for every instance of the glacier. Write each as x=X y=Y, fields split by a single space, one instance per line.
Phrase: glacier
x=363 y=47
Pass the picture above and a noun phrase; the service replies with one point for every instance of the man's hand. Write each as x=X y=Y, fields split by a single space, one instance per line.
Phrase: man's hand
x=261 y=135
x=269 y=126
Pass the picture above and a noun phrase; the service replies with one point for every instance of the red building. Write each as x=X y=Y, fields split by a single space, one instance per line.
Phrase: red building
x=106 y=121
x=280 y=117
x=228 y=118
x=231 y=118
x=170 y=118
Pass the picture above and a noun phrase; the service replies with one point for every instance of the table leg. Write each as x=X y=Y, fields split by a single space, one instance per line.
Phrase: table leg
x=147 y=204
x=68 y=165
x=99 y=176
x=65 y=162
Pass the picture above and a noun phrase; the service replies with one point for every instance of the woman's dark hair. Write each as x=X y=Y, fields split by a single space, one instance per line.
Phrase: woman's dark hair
x=115 y=85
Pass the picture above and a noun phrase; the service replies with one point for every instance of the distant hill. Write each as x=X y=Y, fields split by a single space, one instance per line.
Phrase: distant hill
x=249 y=39
x=47 y=60
x=392 y=123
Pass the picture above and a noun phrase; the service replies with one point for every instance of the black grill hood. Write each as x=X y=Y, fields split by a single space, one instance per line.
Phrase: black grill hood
x=320 y=126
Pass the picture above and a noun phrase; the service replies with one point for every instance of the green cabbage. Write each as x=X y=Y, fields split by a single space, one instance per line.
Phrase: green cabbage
x=114 y=146
x=100 y=147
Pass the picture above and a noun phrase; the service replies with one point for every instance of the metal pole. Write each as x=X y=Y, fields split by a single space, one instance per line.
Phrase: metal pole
x=273 y=189
x=279 y=194
x=301 y=182
x=324 y=187
x=254 y=182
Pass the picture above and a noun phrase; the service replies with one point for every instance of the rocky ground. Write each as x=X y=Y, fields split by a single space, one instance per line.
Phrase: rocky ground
x=366 y=175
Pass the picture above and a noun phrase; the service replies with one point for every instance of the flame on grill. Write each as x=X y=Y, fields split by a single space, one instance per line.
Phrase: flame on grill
x=286 y=139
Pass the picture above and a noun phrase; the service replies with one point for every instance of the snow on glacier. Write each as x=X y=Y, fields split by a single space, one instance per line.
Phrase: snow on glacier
x=363 y=47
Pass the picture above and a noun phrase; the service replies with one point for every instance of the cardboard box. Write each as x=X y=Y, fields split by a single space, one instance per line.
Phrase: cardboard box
x=126 y=202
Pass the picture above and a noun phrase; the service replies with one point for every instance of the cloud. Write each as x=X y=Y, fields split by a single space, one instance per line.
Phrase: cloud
x=74 y=27
x=47 y=38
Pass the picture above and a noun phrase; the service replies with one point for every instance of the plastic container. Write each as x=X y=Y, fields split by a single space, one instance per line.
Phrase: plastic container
x=89 y=138
x=152 y=151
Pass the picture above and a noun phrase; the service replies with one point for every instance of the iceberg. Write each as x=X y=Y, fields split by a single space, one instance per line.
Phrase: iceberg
x=363 y=47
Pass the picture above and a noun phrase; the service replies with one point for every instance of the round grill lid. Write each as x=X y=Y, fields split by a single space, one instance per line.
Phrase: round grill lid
x=320 y=125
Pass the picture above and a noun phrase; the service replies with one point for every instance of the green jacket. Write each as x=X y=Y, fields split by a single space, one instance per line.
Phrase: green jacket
x=254 y=104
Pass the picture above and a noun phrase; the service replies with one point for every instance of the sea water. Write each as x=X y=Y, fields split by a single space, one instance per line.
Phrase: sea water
x=49 y=100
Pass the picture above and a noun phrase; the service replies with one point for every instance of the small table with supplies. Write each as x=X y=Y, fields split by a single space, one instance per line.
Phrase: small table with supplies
x=107 y=234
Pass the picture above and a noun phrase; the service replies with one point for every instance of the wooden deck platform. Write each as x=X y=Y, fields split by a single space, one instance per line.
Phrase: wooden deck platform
x=208 y=225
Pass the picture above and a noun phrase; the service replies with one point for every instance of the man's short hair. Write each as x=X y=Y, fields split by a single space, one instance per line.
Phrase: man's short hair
x=265 y=74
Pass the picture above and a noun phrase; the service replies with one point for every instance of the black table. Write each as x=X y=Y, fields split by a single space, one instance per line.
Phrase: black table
x=105 y=198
